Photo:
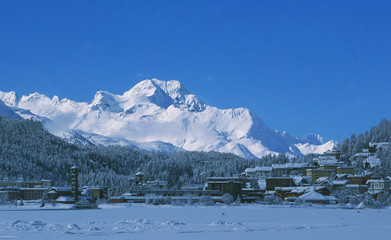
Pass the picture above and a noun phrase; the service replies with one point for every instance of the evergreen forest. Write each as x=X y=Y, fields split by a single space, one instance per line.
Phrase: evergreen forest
x=30 y=152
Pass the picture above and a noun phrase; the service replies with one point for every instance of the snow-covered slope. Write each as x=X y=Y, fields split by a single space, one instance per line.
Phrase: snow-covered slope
x=162 y=116
x=77 y=136
x=7 y=111
x=17 y=113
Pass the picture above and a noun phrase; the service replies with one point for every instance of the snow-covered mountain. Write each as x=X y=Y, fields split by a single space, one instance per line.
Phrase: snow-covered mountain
x=6 y=111
x=159 y=116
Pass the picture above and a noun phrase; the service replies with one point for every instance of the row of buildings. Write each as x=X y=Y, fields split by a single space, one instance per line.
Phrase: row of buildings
x=367 y=157
x=315 y=182
x=327 y=175
x=215 y=188
x=21 y=189
x=46 y=190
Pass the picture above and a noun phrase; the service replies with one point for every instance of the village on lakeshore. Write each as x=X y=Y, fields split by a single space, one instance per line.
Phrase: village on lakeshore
x=327 y=179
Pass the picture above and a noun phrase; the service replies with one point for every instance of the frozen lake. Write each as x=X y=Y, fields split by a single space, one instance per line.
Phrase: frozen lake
x=194 y=222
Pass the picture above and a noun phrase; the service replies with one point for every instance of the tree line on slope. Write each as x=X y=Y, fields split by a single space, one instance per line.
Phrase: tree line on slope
x=356 y=143
x=27 y=150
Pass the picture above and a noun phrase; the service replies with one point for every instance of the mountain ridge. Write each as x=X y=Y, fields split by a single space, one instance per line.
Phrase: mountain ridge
x=164 y=114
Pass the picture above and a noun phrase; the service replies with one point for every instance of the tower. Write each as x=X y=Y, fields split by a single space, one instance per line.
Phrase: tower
x=75 y=183
x=139 y=178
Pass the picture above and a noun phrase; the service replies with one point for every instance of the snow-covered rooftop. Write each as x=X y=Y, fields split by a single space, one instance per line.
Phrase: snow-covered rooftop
x=315 y=196
x=258 y=169
x=340 y=182
x=379 y=144
x=373 y=161
x=290 y=165
x=65 y=199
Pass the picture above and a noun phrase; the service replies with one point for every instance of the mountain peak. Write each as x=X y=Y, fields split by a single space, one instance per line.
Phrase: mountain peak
x=105 y=101
x=148 y=87
x=172 y=87
x=315 y=139
x=9 y=98
x=165 y=94
x=35 y=96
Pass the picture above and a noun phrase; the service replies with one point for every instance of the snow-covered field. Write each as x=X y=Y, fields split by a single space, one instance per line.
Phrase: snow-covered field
x=140 y=221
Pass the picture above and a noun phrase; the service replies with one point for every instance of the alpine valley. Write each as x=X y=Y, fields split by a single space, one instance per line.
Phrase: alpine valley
x=160 y=116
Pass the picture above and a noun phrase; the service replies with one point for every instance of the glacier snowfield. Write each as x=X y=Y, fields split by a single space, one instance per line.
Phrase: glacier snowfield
x=140 y=221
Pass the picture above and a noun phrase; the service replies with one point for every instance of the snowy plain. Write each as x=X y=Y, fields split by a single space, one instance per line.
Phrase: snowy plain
x=140 y=221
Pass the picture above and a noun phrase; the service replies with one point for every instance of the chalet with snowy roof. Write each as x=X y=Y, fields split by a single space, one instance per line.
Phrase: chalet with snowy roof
x=61 y=195
x=329 y=158
x=314 y=174
x=375 y=146
x=301 y=180
x=372 y=162
x=65 y=195
x=382 y=185
x=332 y=185
x=291 y=193
x=317 y=198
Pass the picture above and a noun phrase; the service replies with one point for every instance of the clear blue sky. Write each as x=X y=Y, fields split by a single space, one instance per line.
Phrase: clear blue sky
x=302 y=66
